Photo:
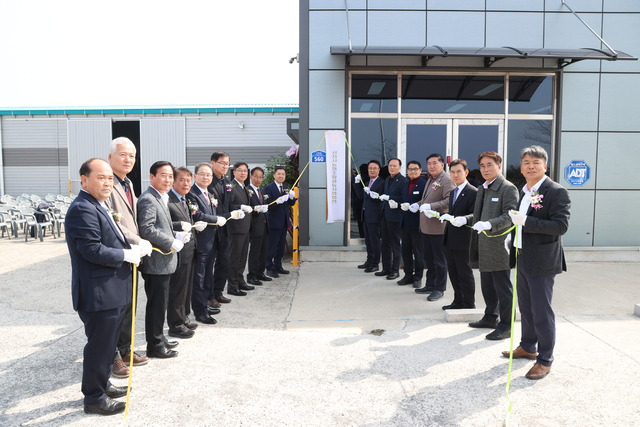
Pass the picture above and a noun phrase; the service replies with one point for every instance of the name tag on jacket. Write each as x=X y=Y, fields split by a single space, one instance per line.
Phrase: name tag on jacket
x=416 y=192
x=494 y=199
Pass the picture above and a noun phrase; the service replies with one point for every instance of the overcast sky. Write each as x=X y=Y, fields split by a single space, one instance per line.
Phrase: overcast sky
x=140 y=52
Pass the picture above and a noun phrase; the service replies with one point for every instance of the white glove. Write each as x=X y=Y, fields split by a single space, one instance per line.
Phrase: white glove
x=404 y=206
x=280 y=200
x=414 y=208
x=517 y=218
x=177 y=245
x=374 y=195
x=145 y=248
x=507 y=243
x=237 y=214
x=183 y=236
x=367 y=190
x=446 y=217
x=431 y=214
x=292 y=195
x=459 y=221
x=221 y=221
x=358 y=179
x=246 y=208
x=132 y=255
x=185 y=226
x=200 y=225
x=384 y=197
x=425 y=207
x=265 y=208
x=480 y=226
x=393 y=204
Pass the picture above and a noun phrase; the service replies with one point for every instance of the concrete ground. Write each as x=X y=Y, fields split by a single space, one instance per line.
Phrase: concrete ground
x=298 y=351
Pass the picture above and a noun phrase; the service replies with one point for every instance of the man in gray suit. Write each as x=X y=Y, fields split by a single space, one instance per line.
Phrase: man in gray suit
x=154 y=222
x=122 y=158
x=542 y=217
x=491 y=214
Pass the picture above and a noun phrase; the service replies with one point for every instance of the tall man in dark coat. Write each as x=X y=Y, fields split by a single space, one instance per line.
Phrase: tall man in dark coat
x=239 y=231
x=542 y=217
x=391 y=219
x=371 y=215
x=457 y=241
x=259 y=240
x=495 y=198
x=412 y=245
x=101 y=282
x=278 y=220
x=203 y=205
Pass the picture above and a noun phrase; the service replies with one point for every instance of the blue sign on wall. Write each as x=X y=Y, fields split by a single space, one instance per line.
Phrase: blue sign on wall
x=318 y=157
x=577 y=172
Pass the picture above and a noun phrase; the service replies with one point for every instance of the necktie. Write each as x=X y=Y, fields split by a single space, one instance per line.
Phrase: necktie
x=259 y=195
x=184 y=205
x=127 y=191
x=455 y=194
x=281 y=189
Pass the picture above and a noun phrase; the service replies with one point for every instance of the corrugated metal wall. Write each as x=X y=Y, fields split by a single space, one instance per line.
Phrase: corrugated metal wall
x=87 y=138
x=161 y=139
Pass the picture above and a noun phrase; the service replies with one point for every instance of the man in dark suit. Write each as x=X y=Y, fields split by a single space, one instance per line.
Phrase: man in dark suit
x=203 y=207
x=372 y=215
x=101 y=282
x=259 y=240
x=542 y=218
x=239 y=231
x=457 y=241
x=391 y=218
x=154 y=222
x=220 y=187
x=280 y=199
x=181 y=283
x=412 y=247
x=122 y=159
x=495 y=198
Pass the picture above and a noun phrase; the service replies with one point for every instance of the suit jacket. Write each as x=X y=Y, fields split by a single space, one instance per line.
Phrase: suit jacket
x=178 y=215
x=154 y=223
x=459 y=238
x=100 y=279
x=258 y=219
x=542 y=252
x=204 y=211
x=492 y=205
x=393 y=188
x=371 y=208
x=436 y=193
x=239 y=196
x=278 y=215
x=128 y=214
x=222 y=195
x=411 y=220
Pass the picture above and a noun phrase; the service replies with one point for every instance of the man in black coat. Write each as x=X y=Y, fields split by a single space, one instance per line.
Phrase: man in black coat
x=259 y=240
x=412 y=248
x=372 y=215
x=542 y=218
x=391 y=219
x=457 y=241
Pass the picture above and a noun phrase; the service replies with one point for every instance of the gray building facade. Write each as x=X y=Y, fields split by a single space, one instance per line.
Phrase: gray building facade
x=407 y=78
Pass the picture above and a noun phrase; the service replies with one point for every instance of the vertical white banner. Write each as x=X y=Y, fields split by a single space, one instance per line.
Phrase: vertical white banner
x=335 y=143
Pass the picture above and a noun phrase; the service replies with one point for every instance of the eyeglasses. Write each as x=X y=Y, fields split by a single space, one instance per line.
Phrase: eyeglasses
x=223 y=163
x=413 y=169
x=242 y=170
x=206 y=175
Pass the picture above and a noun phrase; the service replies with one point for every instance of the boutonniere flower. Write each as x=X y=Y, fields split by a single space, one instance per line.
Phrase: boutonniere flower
x=265 y=196
x=214 y=202
x=116 y=217
x=436 y=186
x=536 y=200
x=229 y=187
x=250 y=191
x=192 y=208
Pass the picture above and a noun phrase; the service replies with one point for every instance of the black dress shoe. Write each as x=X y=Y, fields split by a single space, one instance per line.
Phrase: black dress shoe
x=363 y=266
x=237 y=293
x=424 y=290
x=417 y=283
x=161 y=352
x=244 y=287
x=452 y=306
x=170 y=344
x=393 y=275
x=115 y=392
x=406 y=280
x=264 y=278
x=282 y=270
x=191 y=325
x=484 y=323
x=498 y=334
x=255 y=282
x=383 y=273
x=181 y=333
x=213 y=310
x=371 y=269
x=206 y=319
x=435 y=296
x=273 y=273
x=105 y=407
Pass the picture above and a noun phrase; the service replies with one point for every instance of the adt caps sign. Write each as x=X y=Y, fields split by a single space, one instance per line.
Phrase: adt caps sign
x=577 y=172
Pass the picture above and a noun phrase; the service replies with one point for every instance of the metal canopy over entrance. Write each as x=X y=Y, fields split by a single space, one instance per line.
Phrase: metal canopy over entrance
x=490 y=54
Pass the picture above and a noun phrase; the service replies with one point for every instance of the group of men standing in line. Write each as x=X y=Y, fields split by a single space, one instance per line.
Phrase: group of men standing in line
x=443 y=224
x=190 y=233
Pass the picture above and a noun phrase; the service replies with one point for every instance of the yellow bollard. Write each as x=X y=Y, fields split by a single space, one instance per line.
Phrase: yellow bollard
x=294 y=261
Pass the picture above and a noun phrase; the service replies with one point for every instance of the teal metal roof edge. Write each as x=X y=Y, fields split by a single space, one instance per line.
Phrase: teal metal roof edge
x=159 y=110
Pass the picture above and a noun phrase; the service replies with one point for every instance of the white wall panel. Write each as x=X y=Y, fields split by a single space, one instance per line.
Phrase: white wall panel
x=87 y=138
x=161 y=139
x=32 y=180
x=580 y=101
x=34 y=133
x=225 y=131
x=580 y=231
